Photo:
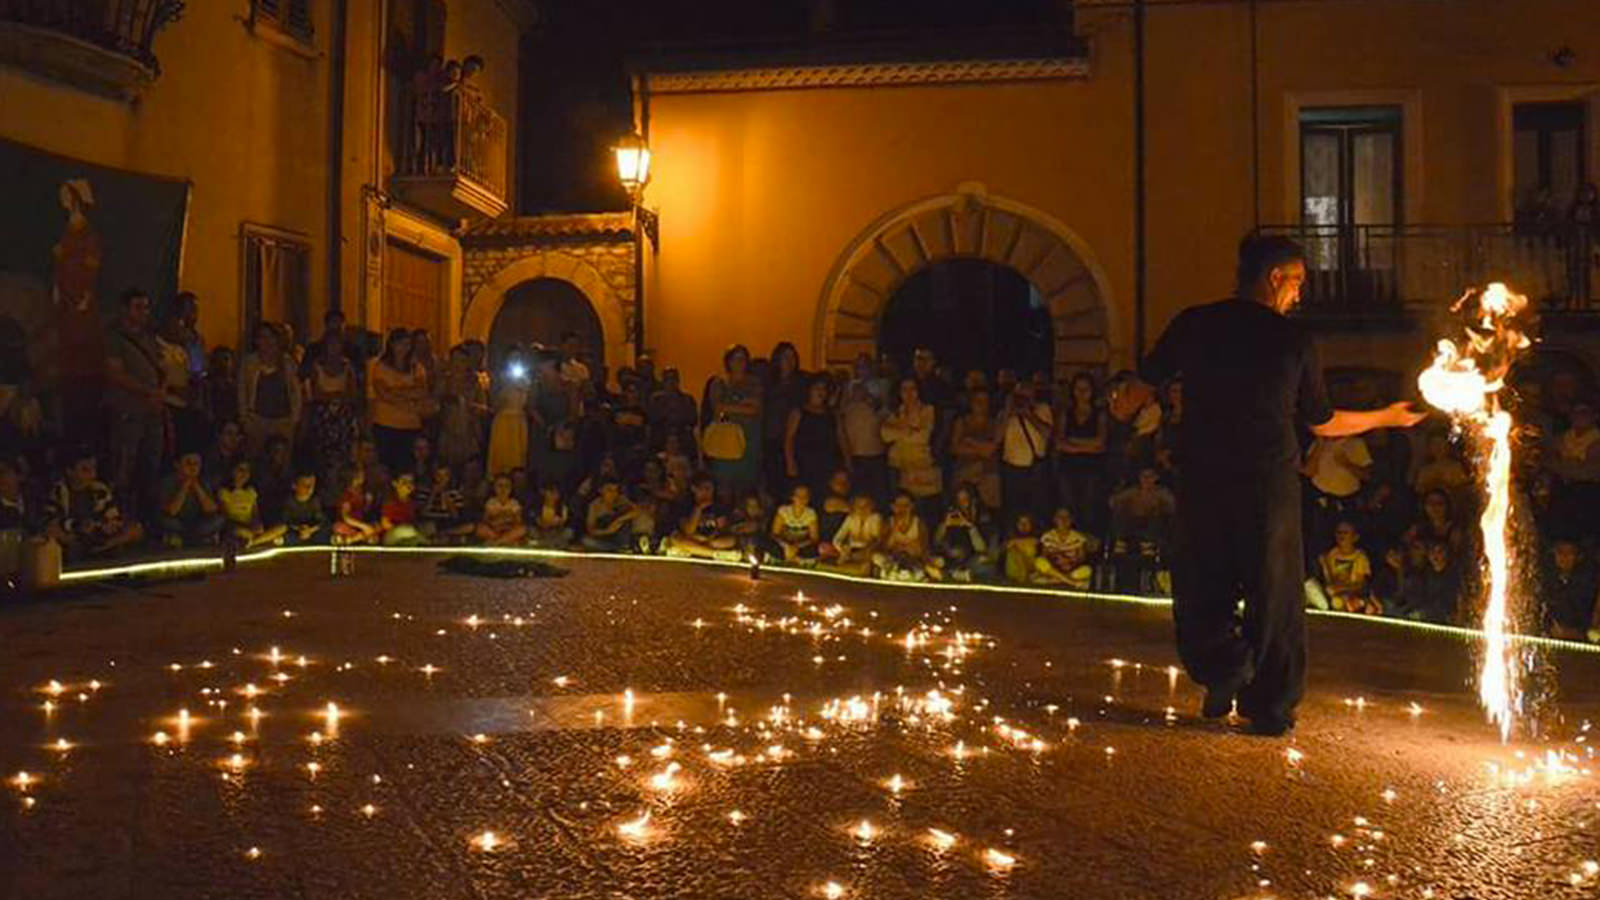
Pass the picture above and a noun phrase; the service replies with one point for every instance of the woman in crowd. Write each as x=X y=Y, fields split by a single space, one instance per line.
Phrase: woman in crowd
x=508 y=433
x=186 y=423
x=811 y=444
x=734 y=399
x=1081 y=452
x=269 y=390
x=908 y=432
x=335 y=393
x=399 y=399
x=783 y=392
x=461 y=410
x=501 y=525
x=975 y=448
x=963 y=537
x=1438 y=523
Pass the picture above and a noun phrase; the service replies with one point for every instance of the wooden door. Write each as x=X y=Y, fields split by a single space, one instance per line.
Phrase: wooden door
x=415 y=290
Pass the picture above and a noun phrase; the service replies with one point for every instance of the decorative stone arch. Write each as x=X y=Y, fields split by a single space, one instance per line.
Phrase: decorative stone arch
x=486 y=301
x=973 y=224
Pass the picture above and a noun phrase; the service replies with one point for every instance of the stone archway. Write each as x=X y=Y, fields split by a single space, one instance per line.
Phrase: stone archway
x=967 y=223
x=478 y=317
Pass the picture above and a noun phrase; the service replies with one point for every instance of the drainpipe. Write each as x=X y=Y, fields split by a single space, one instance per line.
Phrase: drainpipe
x=1139 y=237
x=1255 y=120
x=336 y=84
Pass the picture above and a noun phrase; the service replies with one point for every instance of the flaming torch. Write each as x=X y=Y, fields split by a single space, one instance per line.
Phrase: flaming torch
x=1465 y=381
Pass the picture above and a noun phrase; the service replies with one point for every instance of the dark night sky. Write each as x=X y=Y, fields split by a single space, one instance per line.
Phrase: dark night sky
x=575 y=99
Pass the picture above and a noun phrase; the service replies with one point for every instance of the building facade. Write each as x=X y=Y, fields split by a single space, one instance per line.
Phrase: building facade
x=798 y=192
x=290 y=131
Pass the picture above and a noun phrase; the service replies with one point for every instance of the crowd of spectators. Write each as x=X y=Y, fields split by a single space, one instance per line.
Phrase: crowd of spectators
x=915 y=474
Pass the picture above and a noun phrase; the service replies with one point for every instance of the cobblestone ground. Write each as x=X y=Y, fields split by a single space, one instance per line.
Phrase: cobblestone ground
x=995 y=745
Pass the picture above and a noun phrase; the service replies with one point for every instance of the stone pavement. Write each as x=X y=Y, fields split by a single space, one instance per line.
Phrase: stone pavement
x=649 y=729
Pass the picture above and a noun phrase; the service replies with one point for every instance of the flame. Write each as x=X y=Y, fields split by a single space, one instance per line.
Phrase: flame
x=1465 y=381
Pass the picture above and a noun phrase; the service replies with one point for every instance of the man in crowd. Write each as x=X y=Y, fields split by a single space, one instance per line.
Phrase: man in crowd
x=136 y=400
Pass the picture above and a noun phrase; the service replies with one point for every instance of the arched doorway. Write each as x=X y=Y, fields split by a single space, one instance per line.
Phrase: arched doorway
x=973 y=314
x=540 y=311
x=969 y=224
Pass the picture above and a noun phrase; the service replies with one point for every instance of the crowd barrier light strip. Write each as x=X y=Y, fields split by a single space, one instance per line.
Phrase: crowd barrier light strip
x=193 y=565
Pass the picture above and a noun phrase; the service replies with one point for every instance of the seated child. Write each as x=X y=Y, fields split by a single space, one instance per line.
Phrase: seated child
x=550 y=524
x=241 y=504
x=397 y=520
x=607 y=527
x=645 y=524
x=749 y=524
x=703 y=532
x=1434 y=593
x=1568 y=589
x=353 y=525
x=501 y=525
x=1064 y=554
x=83 y=514
x=838 y=503
x=904 y=556
x=190 y=515
x=960 y=538
x=442 y=510
x=795 y=531
x=1347 y=573
x=304 y=521
x=856 y=539
x=676 y=463
x=1021 y=551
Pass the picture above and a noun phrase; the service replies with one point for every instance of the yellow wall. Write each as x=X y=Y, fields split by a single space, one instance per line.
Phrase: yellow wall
x=760 y=192
x=238 y=116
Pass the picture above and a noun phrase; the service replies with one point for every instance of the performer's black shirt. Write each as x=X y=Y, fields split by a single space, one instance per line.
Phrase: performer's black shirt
x=1251 y=380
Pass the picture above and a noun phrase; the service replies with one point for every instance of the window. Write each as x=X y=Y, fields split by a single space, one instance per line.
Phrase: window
x=1350 y=203
x=276 y=269
x=1547 y=155
x=291 y=17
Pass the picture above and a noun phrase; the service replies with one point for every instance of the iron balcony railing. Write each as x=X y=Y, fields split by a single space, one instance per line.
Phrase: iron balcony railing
x=469 y=140
x=1392 y=270
x=126 y=27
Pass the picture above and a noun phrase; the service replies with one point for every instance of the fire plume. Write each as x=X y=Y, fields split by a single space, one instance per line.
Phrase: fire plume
x=1465 y=381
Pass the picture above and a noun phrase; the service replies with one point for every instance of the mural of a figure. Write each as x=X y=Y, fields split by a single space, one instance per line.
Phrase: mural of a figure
x=75 y=282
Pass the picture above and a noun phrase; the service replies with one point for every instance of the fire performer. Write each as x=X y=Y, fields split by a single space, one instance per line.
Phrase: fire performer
x=1251 y=380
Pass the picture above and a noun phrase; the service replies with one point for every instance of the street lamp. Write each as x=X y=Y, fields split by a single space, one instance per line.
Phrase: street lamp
x=633 y=170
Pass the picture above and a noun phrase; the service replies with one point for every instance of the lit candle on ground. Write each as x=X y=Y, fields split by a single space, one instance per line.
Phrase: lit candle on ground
x=864 y=831
x=486 y=841
x=999 y=859
x=942 y=840
x=635 y=829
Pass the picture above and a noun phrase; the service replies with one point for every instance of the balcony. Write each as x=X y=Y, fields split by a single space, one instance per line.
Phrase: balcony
x=1376 y=276
x=455 y=167
x=100 y=46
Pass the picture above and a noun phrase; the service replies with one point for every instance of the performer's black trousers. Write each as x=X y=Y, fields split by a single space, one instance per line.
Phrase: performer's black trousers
x=1239 y=538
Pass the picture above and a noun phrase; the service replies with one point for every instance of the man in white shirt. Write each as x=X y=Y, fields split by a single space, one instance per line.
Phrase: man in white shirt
x=1024 y=443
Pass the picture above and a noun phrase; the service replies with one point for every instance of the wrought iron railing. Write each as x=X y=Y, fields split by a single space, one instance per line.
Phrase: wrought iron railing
x=127 y=27
x=465 y=137
x=1391 y=270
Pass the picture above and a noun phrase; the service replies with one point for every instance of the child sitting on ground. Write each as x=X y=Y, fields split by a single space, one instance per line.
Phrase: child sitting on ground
x=1347 y=573
x=960 y=537
x=836 y=504
x=355 y=505
x=442 y=509
x=83 y=514
x=703 y=533
x=398 y=516
x=1021 y=551
x=856 y=540
x=190 y=515
x=1568 y=588
x=241 y=504
x=749 y=524
x=644 y=526
x=1064 y=554
x=304 y=522
x=607 y=527
x=905 y=545
x=1434 y=593
x=795 y=531
x=550 y=524
x=501 y=525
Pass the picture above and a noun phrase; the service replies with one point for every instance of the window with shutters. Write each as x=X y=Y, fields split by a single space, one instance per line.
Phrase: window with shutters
x=291 y=18
x=275 y=271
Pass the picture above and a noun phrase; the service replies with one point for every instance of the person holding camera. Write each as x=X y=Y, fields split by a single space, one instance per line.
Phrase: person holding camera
x=1025 y=431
